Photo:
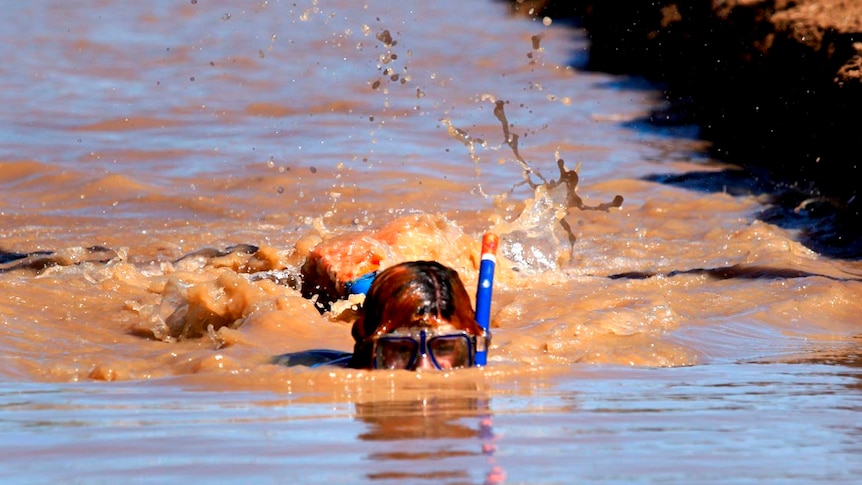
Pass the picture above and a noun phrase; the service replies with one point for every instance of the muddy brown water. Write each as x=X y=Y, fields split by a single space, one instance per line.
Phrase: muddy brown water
x=674 y=339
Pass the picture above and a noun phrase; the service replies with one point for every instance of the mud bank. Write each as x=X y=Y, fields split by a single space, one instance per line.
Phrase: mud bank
x=775 y=85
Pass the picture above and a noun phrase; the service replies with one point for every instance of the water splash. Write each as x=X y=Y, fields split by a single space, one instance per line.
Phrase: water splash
x=530 y=241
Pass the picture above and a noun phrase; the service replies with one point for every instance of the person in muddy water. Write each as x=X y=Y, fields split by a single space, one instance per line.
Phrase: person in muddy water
x=416 y=316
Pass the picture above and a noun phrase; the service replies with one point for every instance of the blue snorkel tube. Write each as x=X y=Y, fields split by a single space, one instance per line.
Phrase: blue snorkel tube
x=484 y=289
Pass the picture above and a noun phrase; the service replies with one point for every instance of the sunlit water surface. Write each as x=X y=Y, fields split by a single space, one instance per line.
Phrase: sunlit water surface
x=778 y=423
x=675 y=339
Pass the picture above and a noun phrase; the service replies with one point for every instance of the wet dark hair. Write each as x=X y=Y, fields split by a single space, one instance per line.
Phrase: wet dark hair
x=411 y=294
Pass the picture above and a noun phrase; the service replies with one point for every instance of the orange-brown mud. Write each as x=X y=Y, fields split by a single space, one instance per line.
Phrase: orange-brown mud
x=167 y=168
x=637 y=285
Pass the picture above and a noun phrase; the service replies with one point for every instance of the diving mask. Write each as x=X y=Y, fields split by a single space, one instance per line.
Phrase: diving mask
x=446 y=349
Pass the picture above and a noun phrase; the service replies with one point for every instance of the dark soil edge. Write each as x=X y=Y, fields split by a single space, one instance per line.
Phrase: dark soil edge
x=775 y=85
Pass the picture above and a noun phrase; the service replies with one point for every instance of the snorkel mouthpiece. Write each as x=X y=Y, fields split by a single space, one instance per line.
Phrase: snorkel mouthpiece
x=483 y=295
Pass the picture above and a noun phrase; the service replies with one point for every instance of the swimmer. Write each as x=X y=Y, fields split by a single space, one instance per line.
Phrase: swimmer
x=416 y=316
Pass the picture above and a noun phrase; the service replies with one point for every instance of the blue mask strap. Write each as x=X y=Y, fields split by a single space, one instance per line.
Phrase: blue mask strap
x=360 y=285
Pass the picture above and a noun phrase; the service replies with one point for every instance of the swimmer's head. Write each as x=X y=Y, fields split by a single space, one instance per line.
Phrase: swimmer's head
x=416 y=315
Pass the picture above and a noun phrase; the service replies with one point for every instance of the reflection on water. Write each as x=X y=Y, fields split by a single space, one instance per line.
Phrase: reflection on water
x=787 y=423
x=430 y=434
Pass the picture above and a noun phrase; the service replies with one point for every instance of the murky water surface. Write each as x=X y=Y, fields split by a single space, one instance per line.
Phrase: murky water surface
x=673 y=339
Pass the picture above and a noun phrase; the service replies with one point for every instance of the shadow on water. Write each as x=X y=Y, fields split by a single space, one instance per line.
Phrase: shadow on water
x=824 y=223
x=734 y=272
x=39 y=260
x=827 y=220
x=795 y=195
x=848 y=355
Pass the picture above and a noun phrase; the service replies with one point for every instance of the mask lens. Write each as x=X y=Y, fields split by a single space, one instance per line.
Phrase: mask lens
x=395 y=352
x=451 y=351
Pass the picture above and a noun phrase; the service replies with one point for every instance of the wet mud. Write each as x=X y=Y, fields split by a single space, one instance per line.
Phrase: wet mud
x=173 y=173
